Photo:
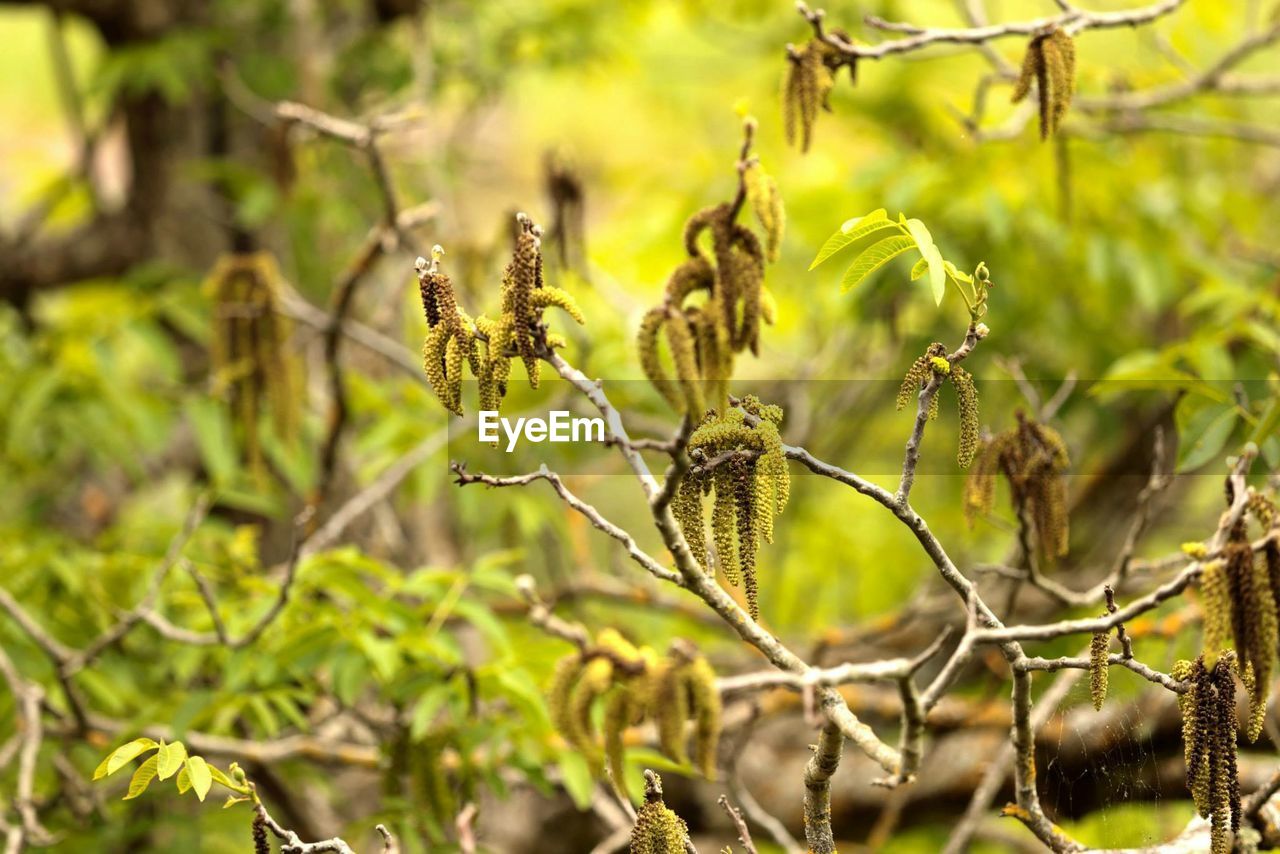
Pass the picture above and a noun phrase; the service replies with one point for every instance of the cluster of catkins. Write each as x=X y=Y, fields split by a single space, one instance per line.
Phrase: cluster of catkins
x=934 y=361
x=811 y=71
x=743 y=464
x=1033 y=459
x=1239 y=595
x=1050 y=61
x=636 y=684
x=703 y=338
x=250 y=360
x=1209 y=743
x=657 y=830
x=486 y=345
x=420 y=766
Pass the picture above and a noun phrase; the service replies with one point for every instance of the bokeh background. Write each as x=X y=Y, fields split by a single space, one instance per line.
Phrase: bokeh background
x=1142 y=263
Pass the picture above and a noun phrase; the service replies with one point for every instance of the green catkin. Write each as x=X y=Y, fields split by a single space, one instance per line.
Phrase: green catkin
x=563 y=680
x=980 y=485
x=967 y=395
x=1050 y=61
x=917 y=375
x=547 y=297
x=1182 y=671
x=650 y=361
x=595 y=680
x=751 y=487
x=687 y=508
x=704 y=338
x=1099 y=647
x=684 y=354
x=1032 y=61
x=1216 y=604
x=260 y=843
x=724 y=525
x=618 y=712
x=766 y=202
x=805 y=90
x=658 y=830
x=1033 y=459
x=669 y=706
x=743 y=475
x=250 y=363
x=707 y=711
x=433 y=364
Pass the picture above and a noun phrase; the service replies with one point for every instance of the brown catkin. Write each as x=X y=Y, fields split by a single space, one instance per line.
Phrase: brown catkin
x=260 y=843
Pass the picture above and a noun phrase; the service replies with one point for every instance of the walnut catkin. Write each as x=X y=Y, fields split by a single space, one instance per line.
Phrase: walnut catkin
x=657 y=830
x=726 y=270
x=1099 y=646
x=251 y=366
x=1050 y=62
x=1209 y=740
x=1033 y=459
x=751 y=485
x=921 y=372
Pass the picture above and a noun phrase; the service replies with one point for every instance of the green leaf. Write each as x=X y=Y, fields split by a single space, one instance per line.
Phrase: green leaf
x=142 y=778
x=425 y=711
x=221 y=778
x=1205 y=435
x=852 y=231
x=171 y=757
x=873 y=258
x=918 y=269
x=232 y=800
x=577 y=779
x=201 y=777
x=937 y=274
x=183 y=780
x=932 y=257
x=123 y=754
x=1268 y=423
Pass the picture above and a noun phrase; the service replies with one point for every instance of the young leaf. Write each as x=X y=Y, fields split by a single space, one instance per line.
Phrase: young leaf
x=932 y=257
x=232 y=800
x=918 y=269
x=123 y=754
x=183 y=780
x=142 y=778
x=1205 y=435
x=937 y=273
x=853 y=230
x=222 y=779
x=201 y=778
x=873 y=258
x=171 y=757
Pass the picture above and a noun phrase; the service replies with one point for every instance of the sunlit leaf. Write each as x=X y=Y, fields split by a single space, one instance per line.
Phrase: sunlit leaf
x=875 y=257
x=142 y=778
x=852 y=231
x=201 y=777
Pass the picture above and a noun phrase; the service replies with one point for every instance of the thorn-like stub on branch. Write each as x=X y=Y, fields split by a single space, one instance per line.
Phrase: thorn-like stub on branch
x=526 y=587
x=652 y=786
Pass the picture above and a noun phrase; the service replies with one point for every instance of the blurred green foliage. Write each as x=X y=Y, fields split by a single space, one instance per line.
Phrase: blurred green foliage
x=1126 y=268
